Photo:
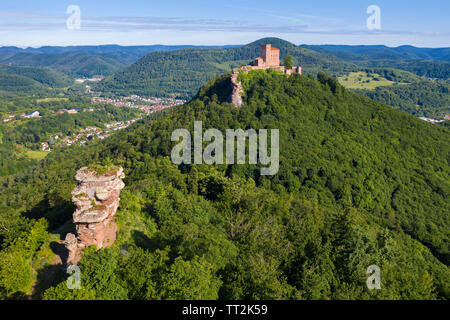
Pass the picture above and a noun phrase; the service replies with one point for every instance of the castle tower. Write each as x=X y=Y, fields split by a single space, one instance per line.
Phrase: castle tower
x=270 y=56
x=265 y=52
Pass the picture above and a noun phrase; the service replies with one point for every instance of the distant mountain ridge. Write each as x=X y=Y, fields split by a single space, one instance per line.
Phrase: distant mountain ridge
x=428 y=62
x=83 y=60
x=108 y=59
x=72 y=64
x=376 y=51
x=383 y=52
x=182 y=72
x=31 y=79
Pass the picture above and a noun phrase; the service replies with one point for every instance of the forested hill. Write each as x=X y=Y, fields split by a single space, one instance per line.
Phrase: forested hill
x=359 y=184
x=72 y=64
x=41 y=75
x=123 y=54
x=183 y=72
x=429 y=62
x=84 y=61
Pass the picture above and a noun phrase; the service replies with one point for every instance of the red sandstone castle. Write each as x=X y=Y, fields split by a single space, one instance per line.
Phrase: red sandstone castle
x=270 y=58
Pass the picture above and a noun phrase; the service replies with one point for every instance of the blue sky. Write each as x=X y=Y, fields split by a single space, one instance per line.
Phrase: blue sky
x=211 y=22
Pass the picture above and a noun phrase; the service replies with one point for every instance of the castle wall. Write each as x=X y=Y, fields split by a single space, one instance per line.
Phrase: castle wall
x=259 y=62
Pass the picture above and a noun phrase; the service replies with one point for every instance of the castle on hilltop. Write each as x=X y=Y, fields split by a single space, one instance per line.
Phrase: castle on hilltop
x=270 y=58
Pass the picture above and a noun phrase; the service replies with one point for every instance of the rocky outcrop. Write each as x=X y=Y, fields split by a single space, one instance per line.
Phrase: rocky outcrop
x=236 y=93
x=71 y=244
x=97 y=198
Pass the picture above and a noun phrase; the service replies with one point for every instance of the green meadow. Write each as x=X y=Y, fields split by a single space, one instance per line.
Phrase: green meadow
x=364 y=80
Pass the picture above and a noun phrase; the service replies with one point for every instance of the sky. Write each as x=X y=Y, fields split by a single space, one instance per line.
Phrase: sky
x=25 y=23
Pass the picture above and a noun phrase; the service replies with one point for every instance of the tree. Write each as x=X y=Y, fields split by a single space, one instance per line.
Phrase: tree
x=12 y=224
x=288 y=61
x=15 y=272
x=61 y=292
x=190 y=280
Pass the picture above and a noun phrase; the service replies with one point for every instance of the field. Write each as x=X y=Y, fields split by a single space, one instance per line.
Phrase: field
x=52 y=100
x=37 y=155
x=364 y=80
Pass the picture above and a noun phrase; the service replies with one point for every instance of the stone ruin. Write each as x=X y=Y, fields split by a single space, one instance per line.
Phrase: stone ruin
x=97 y=197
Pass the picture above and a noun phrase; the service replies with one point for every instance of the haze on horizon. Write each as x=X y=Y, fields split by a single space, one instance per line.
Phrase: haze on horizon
x=27 y=23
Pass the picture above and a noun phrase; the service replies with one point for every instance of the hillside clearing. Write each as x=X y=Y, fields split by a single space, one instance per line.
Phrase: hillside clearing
x=364 y=80
x=35 y=154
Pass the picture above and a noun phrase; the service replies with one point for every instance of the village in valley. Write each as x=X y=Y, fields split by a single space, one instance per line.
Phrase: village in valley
x=83 y=136
x=148 y=105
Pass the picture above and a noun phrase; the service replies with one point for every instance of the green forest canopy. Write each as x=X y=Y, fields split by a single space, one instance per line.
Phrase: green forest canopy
x=359 y=184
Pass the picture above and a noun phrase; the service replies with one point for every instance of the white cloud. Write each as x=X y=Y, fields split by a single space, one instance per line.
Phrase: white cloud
x=34 y=29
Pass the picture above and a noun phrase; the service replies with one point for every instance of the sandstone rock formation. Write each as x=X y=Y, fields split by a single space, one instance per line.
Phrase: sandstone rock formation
x=236 y=93
x=97 y=199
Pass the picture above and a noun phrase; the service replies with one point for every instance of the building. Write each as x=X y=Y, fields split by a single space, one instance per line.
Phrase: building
x=270 y=58
x=431 y=120
x=45 y=146
x=33 y=114
x=12 y=116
